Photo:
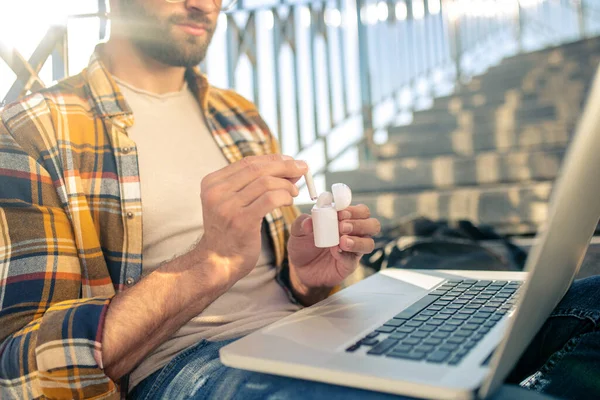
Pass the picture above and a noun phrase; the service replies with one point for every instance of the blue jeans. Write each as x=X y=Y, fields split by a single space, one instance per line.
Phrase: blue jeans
x=563 y=361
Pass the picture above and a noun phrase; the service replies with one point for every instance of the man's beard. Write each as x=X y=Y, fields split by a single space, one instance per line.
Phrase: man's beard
x=154 y=37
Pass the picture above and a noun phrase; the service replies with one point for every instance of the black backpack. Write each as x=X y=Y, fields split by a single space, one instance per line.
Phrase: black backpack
x=424 y=244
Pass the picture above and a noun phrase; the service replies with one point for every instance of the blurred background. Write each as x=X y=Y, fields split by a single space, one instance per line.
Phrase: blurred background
x=449 y=109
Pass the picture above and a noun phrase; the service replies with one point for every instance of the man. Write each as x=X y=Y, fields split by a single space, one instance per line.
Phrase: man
x=89 y=308
x=80 y=309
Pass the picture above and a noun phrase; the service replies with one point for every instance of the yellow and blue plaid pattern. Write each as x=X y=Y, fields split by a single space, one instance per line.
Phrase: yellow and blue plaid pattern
x=71 y=227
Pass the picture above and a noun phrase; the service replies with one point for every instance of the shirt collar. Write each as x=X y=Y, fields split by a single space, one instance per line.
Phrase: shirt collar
x=110 y=101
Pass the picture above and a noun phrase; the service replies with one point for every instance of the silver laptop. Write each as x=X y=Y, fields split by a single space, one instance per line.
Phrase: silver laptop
x=441 y=334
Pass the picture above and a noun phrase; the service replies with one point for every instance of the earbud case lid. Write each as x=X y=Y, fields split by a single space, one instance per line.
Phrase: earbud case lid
x=342 y=196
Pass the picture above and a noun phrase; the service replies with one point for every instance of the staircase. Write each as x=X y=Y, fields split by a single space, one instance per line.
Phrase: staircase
x=488 y=153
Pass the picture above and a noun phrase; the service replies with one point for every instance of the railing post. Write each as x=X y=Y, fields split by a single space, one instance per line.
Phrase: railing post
x=365 y=84
x=455 y=39
x=580 y=6
x=520 y=25
x=60 y=58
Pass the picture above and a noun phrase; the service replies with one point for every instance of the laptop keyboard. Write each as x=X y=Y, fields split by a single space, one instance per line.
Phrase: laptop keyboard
x=445 y=325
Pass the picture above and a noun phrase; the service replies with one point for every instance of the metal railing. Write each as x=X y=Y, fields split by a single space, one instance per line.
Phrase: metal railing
x=329 y=75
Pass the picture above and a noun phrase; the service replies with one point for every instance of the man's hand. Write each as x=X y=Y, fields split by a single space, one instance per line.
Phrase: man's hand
x=235 y=200
x=314 y=271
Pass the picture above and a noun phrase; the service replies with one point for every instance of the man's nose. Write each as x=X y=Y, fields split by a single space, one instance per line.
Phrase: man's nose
x=204 y=6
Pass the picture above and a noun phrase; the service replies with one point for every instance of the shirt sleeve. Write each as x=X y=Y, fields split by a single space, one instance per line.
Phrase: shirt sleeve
x=50 y=334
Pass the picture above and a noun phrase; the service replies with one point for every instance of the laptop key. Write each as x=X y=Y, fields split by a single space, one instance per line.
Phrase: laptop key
x=369 y=342
x=372 y=335
x=438 y=292
x=427 y=313
x=414 y=308
x=354 y=347
x=446 y=286
x=398 y=335
x=434 y=308
x=411 y=341
x=440 y=317
x=470 y=327
x=416 y=356
x=449 y=347
x=438 y=356
x=394 y=322
x=448 y=328
x=482 y=314
x=421 y=318
x=419 y=334
x=435 y=322
x=413 y=324
x=402 y=348
x=440 y=335
x=461 y=316
x=425 y=348
x=405 y=329
x=382 y=347
x=432 y=341
x=476 y=301
x=463 y=333
x=462 y=352
x=455 y=360
x=385 y=329
x=455 y=322
x=490 y=324
x=448 y=311
x=456 y=340
x=427 y=328
x=476 y=320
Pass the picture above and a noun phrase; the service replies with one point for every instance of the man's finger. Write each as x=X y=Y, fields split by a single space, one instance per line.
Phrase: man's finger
x=354 y=244
x=360 y=227
x=253 y=163
x=355 y=212
x=286 y=169
x=302 y=226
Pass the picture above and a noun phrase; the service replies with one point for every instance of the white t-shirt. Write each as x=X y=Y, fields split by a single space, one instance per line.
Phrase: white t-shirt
x=175 y=151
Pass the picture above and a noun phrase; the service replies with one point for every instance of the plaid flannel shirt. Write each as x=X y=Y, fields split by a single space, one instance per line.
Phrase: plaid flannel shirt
x=71 y=226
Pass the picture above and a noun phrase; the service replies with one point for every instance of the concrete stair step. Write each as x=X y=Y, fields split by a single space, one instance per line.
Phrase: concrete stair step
x=486 y=113
x=579 y=47
x=467 y=142
x=472 y=101
x=480 y=124
x=487 y=168
x=512 y=208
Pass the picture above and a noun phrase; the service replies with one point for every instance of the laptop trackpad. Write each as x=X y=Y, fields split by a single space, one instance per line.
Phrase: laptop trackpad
x=329 y=325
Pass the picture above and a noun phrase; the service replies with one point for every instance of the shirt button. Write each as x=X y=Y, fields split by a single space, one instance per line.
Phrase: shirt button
x=130 y=215
x=129 y=281
x=126 y=150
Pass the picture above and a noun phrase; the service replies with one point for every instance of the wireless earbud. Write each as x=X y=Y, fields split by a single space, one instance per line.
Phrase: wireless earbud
x=324 y=214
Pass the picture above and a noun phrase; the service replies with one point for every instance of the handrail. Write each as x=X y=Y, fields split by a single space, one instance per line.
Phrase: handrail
x=353 y=65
